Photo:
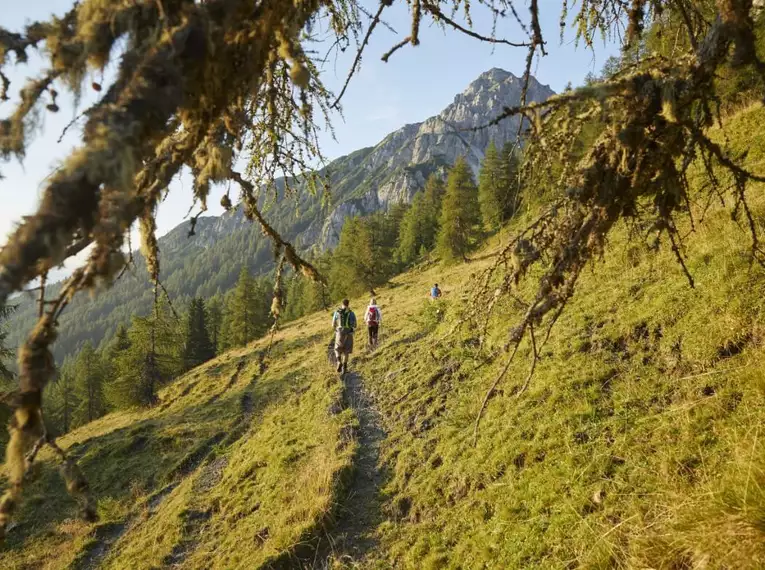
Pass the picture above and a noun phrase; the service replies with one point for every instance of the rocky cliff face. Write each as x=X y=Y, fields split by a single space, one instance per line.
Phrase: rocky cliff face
x=391 y=172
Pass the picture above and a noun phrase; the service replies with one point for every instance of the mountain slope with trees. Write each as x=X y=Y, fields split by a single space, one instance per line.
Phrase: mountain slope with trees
x=369 y=180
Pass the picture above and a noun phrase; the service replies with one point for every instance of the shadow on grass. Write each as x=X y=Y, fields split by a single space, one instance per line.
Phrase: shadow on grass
x=144 y=459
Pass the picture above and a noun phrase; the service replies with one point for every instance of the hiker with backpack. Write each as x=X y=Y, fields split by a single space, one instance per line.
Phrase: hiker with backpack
x=344 y=324
x=435 y=293
x=373 y=319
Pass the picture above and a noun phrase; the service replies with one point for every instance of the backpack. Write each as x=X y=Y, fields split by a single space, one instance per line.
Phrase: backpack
x=345 y=318
x=373 y=316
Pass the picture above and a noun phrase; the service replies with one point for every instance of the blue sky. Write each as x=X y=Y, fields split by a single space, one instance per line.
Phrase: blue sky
x=416 y=83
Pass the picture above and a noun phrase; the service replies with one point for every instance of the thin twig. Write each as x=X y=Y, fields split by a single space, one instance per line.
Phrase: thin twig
x=534 y=360
x=439 y=15
x=490 y=392
x=357 y=59
x=395 y=48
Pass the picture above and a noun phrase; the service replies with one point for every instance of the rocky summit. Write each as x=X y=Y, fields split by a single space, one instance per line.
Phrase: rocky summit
x=392 y=171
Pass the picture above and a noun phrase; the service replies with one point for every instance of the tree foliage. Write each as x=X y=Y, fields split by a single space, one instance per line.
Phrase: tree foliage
x=460 y=214
x=6 y=353
x=198 y=347
x=90 y=375
x=153 y=356
x=364 y=257
x=61 y=399
x=419 y=225
x=246 y=312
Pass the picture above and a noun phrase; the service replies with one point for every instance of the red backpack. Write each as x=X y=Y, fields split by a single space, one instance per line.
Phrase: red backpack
x=372 y=312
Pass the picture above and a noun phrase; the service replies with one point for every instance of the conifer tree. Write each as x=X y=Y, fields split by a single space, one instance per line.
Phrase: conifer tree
x=147 y=363
x=61 y=398
x=410 y=233
x=215 y=320
x=246 y=313
x=492 y=190
x=5 y=352
x=89 y=378
x=119 y=344
x=510 y=181
x=419 y=225
x=354 y=267
x=460 y=214
x=197 y=346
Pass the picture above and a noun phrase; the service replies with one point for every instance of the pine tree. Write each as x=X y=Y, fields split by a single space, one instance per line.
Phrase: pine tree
x=510 y=181
x=61 y=399
x=89 y=378
x=419 y=225
x=354 y=265
x=197 y=346
x=410 y=232
x=246 y=312
x=215 y=320
x=119 y=344
x=431 y=210
x=492 y=192
x=460 y=214
x=154 y=357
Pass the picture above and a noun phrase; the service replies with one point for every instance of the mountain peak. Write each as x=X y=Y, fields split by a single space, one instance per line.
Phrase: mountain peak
x=497 y=76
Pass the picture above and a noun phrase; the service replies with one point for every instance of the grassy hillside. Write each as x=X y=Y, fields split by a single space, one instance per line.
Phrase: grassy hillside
x=638 y=443
x=255 y=458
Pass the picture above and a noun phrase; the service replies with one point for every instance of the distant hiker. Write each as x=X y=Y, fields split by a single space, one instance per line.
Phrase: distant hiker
x=373 y=319
x=344 y=323
x=435 y=293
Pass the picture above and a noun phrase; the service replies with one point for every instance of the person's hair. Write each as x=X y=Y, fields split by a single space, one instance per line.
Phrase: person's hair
x=346 y=302
x=372 y=301
x=436 y=285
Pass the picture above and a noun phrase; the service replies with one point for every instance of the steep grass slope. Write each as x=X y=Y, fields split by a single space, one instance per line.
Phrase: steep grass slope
x=254 y=459
x=638 y=443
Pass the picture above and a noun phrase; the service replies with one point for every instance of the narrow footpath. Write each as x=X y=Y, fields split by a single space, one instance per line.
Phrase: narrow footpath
x=352 y=536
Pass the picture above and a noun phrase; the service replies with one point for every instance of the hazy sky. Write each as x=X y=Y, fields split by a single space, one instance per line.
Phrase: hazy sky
x=416 y=83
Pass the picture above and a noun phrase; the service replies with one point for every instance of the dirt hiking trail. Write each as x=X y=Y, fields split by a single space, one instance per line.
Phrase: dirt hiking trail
x=352 y=536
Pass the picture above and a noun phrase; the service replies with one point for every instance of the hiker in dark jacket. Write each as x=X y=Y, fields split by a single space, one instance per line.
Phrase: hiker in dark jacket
x=344 y=324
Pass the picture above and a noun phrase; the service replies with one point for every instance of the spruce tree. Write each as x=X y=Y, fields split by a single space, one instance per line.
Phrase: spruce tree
x=61 y=398
x=197 y=346
x=89 y=378
x=419 y=225
x=215 y=320
x=119 y=344
x=492 y=190
x=431 y=215
x=154 y=357
x=460 y=214
x=510 y=181
x=246 y=313
x=5 y=352
x=410 y=232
